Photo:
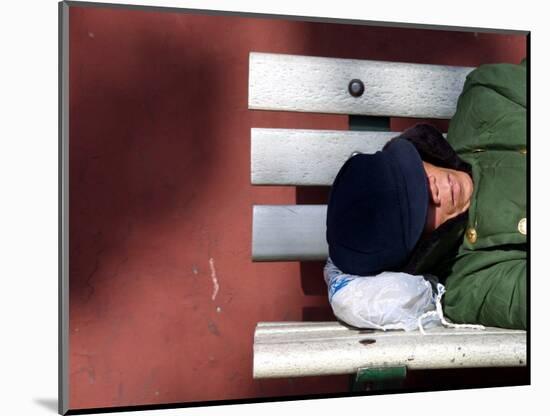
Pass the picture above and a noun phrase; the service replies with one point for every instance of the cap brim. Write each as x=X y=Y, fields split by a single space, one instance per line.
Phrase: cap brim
x=365 y=264
x=415 y=186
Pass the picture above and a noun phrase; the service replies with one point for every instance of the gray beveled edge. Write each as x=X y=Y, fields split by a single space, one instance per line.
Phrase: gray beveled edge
x=63 y=210
x=300 y=18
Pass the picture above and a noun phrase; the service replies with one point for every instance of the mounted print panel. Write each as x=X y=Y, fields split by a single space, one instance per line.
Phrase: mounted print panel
x=213 y=163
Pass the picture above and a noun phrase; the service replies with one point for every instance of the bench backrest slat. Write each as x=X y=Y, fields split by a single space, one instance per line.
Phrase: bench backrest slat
x=314 y=84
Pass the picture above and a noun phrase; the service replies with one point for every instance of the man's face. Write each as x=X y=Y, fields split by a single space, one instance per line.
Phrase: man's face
x=450 y=194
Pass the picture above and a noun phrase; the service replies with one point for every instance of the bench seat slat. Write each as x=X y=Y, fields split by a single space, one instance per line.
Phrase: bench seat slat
x=315 y=84
x=289 y=232
x=332 y=349
x=307 y=157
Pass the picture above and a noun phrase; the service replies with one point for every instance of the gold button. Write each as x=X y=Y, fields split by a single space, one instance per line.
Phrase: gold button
x=471 y=235
x=522 y=226
x=523 y=151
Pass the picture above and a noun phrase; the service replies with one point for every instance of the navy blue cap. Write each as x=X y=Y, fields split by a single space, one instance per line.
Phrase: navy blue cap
x=377 y=209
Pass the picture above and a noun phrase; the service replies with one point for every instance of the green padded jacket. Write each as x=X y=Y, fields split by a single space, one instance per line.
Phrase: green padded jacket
x=486 y=278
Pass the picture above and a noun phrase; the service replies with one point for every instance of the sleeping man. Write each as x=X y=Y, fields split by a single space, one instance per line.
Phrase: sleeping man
x=453 y=208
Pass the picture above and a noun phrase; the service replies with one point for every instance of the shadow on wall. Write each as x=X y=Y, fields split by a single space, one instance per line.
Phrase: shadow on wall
x=140 y=151
x=414 y=45
x=318 y=313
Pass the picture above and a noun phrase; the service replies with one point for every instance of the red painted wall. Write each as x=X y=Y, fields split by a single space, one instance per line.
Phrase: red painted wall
x=161 y=202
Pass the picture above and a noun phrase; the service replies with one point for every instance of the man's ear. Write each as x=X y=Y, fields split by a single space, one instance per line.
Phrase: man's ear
x=433 y=191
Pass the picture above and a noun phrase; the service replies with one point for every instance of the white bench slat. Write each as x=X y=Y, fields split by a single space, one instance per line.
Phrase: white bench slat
x=289 y=232
x=314 y=84
x=330 y=348
x=307 y=157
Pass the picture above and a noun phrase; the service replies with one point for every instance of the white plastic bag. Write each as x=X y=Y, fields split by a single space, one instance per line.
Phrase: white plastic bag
x=388 y=300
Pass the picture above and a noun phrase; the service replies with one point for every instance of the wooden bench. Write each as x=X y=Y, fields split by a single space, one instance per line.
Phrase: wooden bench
x=297 y=232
